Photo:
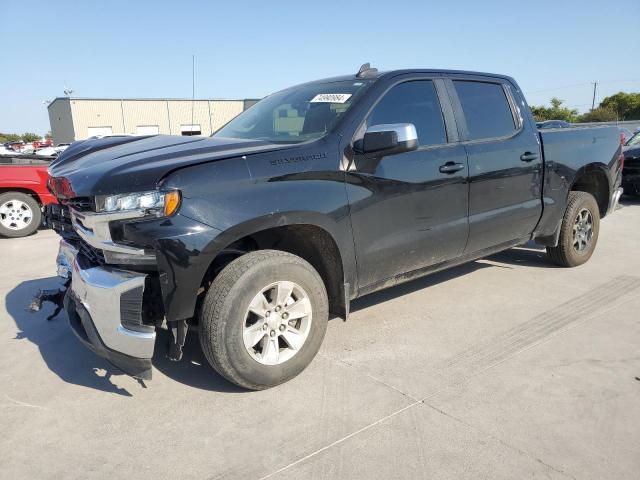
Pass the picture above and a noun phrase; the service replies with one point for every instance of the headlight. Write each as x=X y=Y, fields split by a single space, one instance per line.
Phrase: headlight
x=165 y=203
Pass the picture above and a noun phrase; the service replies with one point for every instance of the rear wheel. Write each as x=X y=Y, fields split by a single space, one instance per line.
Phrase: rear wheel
x=263 y=319
x=578 y=232
x=20 y=214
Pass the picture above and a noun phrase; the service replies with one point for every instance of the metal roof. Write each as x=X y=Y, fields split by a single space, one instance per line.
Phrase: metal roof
x=140 y=99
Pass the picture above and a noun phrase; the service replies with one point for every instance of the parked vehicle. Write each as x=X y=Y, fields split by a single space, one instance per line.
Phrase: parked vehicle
x=631 y=170
x=6 y=151
x=46 y=152
x=95 y=137
x=43 y=143
x=15 y=146
x=51 y=151
x=554 y=124
x=23 y=194
x=625 y=134
x=317 y=195
x=634 y=140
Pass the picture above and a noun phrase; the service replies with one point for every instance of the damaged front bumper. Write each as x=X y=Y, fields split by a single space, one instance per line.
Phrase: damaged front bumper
x=116 y=298
x=104 y=306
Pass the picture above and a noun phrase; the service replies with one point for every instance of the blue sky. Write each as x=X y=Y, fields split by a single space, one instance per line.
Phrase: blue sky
x=249 y=49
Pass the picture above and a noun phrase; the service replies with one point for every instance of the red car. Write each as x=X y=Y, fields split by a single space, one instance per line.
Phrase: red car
x=23 y=194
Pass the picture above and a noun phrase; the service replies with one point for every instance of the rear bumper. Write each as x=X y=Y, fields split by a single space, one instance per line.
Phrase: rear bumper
x=100 y=304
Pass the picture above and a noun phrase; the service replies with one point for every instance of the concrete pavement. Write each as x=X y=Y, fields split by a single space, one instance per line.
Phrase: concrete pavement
x=503 y=368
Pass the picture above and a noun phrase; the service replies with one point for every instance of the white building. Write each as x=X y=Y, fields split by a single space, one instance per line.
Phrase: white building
x=80 y=118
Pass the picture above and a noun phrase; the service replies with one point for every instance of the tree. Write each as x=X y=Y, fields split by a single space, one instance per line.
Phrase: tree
x=600 y=114
x=9 y=137
x=625 y=105
x=29 y=137
x=555 y=112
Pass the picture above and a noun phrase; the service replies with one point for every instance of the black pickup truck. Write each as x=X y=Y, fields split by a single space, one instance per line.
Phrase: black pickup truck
x=316 y=195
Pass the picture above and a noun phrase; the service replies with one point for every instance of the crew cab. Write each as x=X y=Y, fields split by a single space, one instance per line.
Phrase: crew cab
x=317 y=195
x=23 y=194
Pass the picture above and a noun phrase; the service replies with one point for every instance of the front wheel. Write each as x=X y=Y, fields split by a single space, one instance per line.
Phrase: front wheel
x=20 y=215
x=578 y=231
x=263 y=319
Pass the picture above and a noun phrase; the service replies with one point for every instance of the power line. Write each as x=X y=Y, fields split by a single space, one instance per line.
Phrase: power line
x=559 y=88
x=622 y=81
x=633 y=80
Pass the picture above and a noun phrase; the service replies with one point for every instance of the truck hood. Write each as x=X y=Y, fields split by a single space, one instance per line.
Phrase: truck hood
x=128 y=164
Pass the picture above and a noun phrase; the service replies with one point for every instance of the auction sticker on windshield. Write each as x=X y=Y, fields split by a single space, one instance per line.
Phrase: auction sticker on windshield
x=331 y=98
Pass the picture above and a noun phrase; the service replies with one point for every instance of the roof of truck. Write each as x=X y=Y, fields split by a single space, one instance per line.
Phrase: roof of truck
x=392 y=73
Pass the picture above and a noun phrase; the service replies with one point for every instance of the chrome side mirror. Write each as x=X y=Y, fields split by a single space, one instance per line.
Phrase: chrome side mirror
x=388 y=139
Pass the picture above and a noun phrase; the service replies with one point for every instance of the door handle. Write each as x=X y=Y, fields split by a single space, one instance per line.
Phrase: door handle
x=451 y=167
x=528 y=156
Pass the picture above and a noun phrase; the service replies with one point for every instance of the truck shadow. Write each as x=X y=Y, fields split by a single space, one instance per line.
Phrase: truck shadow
x=193 y=370
x=65 y=356
x=529 y=255
x=412 y=286
x=72 y=362
x=628 y=200
x=60 y=350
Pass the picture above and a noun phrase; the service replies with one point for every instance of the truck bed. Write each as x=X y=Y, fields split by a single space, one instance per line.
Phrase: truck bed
x=566 y=151
x=579 y=146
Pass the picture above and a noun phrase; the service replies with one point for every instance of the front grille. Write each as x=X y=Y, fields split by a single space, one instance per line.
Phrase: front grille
x=59 y=218
x=94 y=255
x=81 y=204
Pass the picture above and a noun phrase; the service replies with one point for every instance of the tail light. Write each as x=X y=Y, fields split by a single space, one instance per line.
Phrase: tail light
x=621 y=156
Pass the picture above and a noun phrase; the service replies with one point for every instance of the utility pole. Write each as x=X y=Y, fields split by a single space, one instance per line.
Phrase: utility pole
x=593 y=102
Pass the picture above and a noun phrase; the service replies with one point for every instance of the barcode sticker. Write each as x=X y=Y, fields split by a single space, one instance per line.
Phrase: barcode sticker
x=331 y=98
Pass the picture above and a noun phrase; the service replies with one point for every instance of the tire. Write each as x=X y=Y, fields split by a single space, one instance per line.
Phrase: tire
x=226 y=322
x=14 y=208
x=571 y=251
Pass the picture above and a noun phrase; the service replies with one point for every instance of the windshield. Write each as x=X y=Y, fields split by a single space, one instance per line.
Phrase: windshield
x=297 y=114
x=635 y=140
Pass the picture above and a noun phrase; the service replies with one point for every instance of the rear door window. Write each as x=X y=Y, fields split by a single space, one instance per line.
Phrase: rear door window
x=412 y=102
x=486 y=109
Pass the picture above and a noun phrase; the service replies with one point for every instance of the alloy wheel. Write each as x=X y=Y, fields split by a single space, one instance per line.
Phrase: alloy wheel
x=277 y=323
x=15 y=215
x=582 y=230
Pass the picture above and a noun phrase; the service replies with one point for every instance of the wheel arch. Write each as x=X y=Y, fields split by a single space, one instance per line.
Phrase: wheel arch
x=311 y=236
x=24 y=190
x=593 y=179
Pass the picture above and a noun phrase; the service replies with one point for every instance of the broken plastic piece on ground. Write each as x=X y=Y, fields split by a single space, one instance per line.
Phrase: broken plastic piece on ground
x=36 y=302
x=54 y=296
